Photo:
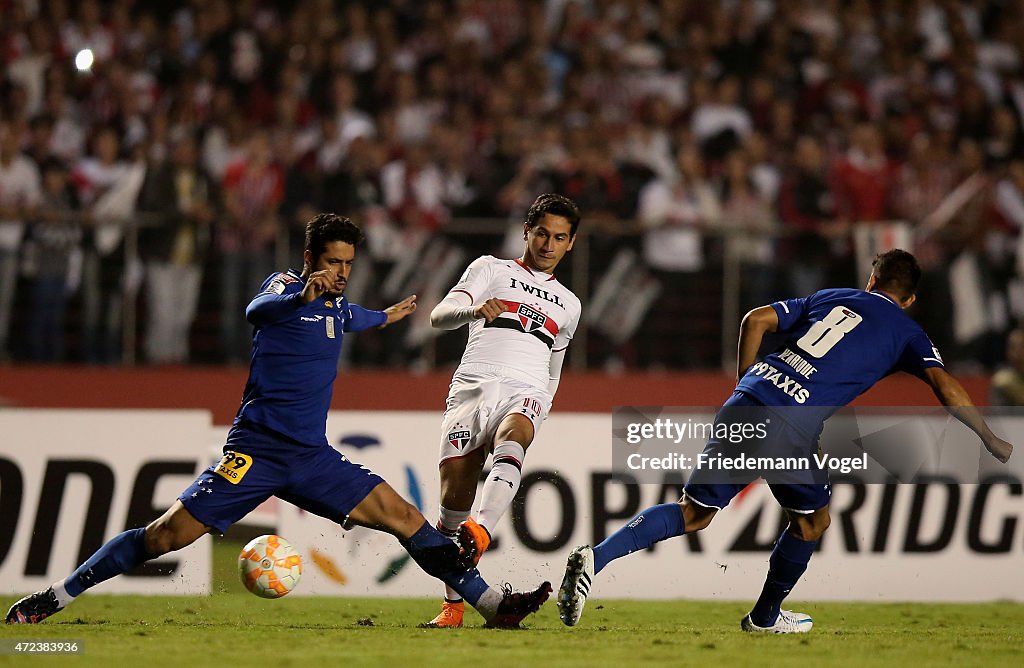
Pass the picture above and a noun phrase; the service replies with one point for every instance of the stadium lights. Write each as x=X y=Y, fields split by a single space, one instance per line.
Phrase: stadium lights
x=84 y=60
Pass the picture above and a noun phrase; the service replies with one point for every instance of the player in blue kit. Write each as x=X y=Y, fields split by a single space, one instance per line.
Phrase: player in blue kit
x=278 y=445
x=839 y=343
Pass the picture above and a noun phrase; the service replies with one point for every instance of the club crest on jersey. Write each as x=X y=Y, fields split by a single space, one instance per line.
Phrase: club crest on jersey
x=277 y=286
x=531 y=319
x=459 y=437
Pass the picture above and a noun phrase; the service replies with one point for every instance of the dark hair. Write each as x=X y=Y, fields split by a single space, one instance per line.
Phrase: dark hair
x=52 y=164
x=327 y=227
x=556 y=205
x=896 y=271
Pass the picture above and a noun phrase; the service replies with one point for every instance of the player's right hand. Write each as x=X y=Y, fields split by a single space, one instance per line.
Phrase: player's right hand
x=490 y=309
x=999 y=448
x=318 y=283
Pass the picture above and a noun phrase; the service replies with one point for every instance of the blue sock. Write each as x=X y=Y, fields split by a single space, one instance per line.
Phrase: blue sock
x=649 y=527
x=788 y=562
x=437 y=555
x=121 y=553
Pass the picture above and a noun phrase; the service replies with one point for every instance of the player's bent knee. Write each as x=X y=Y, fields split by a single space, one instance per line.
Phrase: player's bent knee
x=810 y=527
x=696 y=516
x=173 y=530
x=520 y=436
x=515 y=428
x=160 y=539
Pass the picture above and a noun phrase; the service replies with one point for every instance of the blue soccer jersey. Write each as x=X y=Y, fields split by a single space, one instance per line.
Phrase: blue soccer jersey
x=294 y=361
x=840 y=342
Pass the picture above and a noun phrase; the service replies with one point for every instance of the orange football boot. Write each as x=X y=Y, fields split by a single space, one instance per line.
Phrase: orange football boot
x=473 y=541
x=449 y=618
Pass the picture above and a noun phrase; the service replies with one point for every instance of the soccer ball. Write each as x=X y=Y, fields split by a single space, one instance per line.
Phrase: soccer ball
x=269 y=566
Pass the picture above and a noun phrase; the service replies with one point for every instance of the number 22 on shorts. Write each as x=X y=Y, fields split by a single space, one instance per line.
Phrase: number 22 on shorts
x=233 y=466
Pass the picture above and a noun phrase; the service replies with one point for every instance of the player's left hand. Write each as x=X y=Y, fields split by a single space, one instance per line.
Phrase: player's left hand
x=999 y=448
x=398 y=311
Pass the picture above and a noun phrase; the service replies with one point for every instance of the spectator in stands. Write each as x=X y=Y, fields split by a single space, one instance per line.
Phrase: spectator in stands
x=55 y=241
x=647 y=143
x=246 y=237
x=19 y=196
x=98 y=178
x=1005 y=140
x=719 y=122
x=28 y=68
x=69 y=125
x=179 y=201
x=87 y=31
x=922 y=181
x=225 y=140
x=673 y=212
x=1008 y=382
x=39 y=139
x=349 y=120
x=806 y=209
x=764 y=168
x=533 y=87
x=749 y=221
x=862 y=178
x=1009 y=201
x=594 y=183
x=413 y=189
x=961 y=226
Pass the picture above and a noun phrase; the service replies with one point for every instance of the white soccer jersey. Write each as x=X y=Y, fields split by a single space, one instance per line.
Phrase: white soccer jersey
x=542 y=317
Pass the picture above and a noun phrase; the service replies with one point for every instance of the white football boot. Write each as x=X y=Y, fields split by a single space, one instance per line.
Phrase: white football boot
x=579 y=577
x=788 y=622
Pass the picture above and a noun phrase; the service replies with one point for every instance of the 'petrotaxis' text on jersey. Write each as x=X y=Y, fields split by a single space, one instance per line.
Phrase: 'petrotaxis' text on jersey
x=295 y=350
x=542 y=317
x=839 y=343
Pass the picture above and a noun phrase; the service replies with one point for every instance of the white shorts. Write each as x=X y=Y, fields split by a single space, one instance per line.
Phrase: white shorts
x=477 y=404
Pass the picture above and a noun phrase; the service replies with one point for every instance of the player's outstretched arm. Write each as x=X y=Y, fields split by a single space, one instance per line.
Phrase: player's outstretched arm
x=396 y=312
x=753 y=328
x=953 y=396
x=453 y=311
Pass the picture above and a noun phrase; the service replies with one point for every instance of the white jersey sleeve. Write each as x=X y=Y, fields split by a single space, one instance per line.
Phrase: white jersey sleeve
x=453 y=312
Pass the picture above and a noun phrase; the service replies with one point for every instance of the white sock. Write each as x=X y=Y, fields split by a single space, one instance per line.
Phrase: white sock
x=502 y=483
x=63 y=597
x=489 y=601
x=448 y=522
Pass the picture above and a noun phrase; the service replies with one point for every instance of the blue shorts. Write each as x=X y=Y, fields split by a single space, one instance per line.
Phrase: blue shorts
x=808 y=491
x=258 y=464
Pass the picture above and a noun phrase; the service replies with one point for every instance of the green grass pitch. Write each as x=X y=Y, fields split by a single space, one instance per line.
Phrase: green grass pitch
x=234 y=628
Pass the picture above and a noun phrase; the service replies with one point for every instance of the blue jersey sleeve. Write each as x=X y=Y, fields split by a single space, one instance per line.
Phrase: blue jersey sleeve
x=278 y=297
x=919 y=354
x=358 y=318
x=790 y=311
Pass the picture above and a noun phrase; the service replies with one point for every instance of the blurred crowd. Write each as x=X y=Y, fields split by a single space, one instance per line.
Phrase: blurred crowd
x=785 y=137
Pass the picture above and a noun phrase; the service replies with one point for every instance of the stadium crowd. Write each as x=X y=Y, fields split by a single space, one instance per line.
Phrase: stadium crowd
x=787 y=135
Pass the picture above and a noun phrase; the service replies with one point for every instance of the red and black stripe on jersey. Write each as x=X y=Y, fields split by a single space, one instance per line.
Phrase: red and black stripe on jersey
x=527 y=319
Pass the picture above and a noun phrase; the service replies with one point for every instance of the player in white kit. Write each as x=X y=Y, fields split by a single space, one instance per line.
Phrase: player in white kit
x=521 y=320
